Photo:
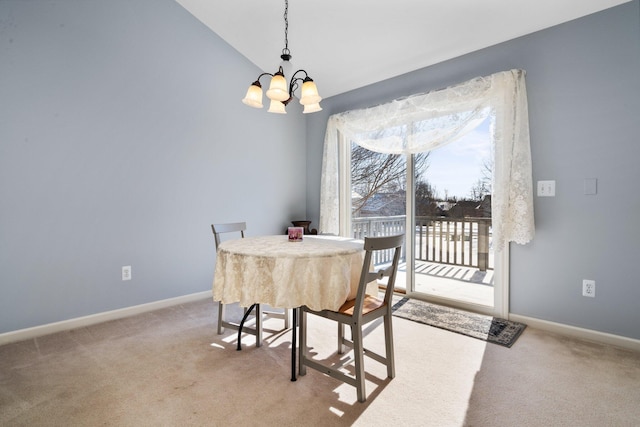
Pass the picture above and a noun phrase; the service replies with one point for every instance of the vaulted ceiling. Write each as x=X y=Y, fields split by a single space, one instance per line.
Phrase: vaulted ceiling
x=347 y=44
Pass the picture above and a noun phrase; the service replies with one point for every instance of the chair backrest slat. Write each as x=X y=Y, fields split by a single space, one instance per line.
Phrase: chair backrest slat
x=372 y=244
x=233 y=227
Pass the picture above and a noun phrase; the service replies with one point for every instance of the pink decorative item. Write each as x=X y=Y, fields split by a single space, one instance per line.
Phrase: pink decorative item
x=295 y=234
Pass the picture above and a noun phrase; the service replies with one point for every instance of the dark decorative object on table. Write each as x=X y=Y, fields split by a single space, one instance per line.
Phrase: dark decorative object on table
x=305 y=226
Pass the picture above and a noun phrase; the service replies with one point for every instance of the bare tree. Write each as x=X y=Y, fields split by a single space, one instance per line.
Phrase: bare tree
x=479 y=190
x=373 y=173
x=425 y=201
x=482 y=187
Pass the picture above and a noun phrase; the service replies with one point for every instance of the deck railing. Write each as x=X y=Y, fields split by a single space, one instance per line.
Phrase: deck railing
x=454 y=241
x=377 y=227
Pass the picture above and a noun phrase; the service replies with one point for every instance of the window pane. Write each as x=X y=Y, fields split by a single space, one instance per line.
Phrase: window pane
x=453 y=255
x=378 y=193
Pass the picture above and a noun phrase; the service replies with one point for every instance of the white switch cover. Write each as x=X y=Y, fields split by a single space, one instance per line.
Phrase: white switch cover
x=590 y=186
x=546 y=188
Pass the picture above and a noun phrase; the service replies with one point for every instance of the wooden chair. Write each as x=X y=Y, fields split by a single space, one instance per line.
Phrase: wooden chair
x=357 y=313
x=241 y=227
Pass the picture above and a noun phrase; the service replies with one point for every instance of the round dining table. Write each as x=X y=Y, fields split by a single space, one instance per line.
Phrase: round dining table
x=320 y=272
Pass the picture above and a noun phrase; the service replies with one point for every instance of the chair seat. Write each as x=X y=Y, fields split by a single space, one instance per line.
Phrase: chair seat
x=371 y=303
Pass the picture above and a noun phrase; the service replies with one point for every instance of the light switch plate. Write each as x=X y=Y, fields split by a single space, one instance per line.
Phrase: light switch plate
x=546 y=188
x=590 y=186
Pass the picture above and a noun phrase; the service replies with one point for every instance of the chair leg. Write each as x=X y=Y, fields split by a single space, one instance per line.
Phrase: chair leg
x=341 y=345
x=221 y=317
x=302 y=346
x=388 y=343
x=284 y=315
x=358 y=354
x=286 y=318
x=258 y=321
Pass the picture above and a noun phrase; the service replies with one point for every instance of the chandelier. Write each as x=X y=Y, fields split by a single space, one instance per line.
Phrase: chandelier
x=279 y=94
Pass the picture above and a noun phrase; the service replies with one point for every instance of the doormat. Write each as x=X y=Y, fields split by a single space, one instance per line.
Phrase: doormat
x=486 y=328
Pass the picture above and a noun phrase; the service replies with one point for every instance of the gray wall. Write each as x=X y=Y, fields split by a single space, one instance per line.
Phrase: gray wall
x=122 y=138
x=583 y=83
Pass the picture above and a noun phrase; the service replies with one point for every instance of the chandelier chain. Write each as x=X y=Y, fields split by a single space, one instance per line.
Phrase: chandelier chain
x=286 y=27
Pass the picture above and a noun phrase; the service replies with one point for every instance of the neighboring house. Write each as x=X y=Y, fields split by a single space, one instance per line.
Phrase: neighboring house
x=384 y=204
x=470 y=209
x=392 y=204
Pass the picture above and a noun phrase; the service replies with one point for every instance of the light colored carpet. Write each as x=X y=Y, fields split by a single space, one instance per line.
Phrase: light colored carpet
x=170 y=368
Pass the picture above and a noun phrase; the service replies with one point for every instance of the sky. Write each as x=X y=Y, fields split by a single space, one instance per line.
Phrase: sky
x=456 y=167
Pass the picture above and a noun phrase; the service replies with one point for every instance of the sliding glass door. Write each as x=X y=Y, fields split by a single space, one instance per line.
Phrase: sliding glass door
x=453 y=254
x=449 y=256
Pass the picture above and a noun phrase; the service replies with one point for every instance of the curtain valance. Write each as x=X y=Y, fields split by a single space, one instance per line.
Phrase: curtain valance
x=423 y=122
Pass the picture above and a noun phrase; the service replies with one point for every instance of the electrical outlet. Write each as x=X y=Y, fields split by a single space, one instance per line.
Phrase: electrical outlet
x=126 y=272
x=588 y=288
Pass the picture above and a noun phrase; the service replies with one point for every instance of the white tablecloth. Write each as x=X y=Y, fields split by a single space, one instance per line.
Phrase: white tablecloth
x=320 y=272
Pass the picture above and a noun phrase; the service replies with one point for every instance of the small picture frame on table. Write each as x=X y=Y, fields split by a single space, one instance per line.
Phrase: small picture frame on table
x=295 y=234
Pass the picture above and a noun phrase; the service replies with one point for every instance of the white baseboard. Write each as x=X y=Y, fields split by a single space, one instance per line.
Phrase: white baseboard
x=79 y=322
x=573 y=331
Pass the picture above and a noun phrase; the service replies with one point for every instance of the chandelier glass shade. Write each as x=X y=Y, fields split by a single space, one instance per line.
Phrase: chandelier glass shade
x=280 y=93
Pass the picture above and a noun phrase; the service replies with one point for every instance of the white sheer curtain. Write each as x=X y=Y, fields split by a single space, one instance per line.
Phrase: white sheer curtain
x=423 y=122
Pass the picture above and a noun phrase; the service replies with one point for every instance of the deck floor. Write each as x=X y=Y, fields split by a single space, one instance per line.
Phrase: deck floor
x=456 y=282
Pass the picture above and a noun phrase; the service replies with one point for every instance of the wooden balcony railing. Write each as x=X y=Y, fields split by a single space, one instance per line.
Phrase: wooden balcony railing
x=454 y=241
